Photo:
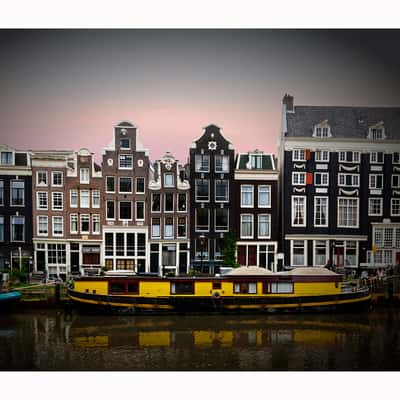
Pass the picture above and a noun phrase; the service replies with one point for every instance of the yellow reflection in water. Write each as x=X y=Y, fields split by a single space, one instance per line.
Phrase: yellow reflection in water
x=155 y=338
x=90 y=341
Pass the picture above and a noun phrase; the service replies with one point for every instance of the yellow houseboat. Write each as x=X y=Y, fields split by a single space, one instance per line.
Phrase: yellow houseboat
x=243 y=289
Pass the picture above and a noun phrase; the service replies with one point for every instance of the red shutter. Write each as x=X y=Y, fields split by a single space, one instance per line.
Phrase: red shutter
x=308 y=154
x=309 y=178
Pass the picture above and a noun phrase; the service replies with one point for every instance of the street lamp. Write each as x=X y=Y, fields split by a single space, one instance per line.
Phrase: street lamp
x=202 y=239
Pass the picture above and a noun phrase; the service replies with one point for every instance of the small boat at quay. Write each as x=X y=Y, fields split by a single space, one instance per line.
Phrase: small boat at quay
x=244 y=289
x=8 y=299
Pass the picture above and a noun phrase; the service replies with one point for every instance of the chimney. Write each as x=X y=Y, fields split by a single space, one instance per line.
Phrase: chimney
x=288 y=101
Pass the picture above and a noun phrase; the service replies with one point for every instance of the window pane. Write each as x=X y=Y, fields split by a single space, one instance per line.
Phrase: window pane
x=125 y=210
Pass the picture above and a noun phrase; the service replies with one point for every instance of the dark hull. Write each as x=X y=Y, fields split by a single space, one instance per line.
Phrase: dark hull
x=99 y=304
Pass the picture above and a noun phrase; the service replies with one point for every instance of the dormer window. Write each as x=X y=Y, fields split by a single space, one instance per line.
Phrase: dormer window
x=6 y=158
x=256 y=161
x=322 y=130
x=377 y=132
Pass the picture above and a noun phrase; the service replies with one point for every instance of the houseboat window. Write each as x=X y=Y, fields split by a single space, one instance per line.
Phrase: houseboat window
x=245 y=288
x=216 y=286
x=133 y=287
x=279 y=287
x=182 y=288
x=117 y=288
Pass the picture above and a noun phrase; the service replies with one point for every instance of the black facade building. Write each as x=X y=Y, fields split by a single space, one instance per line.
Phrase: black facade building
x=15 y=209
x=340 y=185
x=211 y=188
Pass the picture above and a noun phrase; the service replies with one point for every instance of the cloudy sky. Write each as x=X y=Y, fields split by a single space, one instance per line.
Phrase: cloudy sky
x=66 y=89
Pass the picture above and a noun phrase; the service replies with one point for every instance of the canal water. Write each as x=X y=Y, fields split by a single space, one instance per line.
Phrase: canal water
x=314 y=342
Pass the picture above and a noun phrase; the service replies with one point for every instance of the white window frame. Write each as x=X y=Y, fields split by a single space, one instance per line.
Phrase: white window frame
x=119 y=210
x=177 y=227
x=165 y=227
x=221 y=171
x=315 y=252
x=268 y=236
x=113 y=177
x=80 y=223
x=340 y=152
x=52 y=201
x=242 y=236
x=177 y=202
x=144 y=210
x=11 y=194
x=116 y=210
x=370 y=179
x=373 y=157
x=292 y=253
x=249 y=191
x=127 y=156
x=74 y=205
x=196 y=164
x=82 y=175
x=268 y=205
x=398 y=157
x=398 y=181
x=38 y=225
x=293 y=211
x=323 y=175
x=392 y=201
x=215 y=191
x=53 y=224
x=52 y=178
x=354 y=177
x=119 y=184
x=215 y=220
x=37 y=178
x=169 y=174
x=159 y=228
x=370 y=200
x=38 y=207
x=96 y=218
x=299 y=178
x=165 y=202
x=326 y=198
x=208 y=222
x=94 y=193
x=358 y=212
x=73 y=216
x=321 y=154
x=81 y=197
x=144 y=184
x=299 y=155
x=208 y=192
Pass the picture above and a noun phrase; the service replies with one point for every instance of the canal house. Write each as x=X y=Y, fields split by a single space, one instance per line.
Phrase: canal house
x=256 y=221
x=15 y=209
x=211 y=198
x=168 y=216
x=340 y=185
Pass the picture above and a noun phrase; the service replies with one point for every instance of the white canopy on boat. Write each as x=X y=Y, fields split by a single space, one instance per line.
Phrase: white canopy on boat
x=249 y=271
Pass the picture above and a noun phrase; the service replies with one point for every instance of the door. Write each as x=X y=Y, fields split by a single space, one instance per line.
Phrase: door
x=398 y=258
x=183 y=262
x=41 y=260
x=339 y=257
x=252 y=255
x=74 y=262
x=242 y=255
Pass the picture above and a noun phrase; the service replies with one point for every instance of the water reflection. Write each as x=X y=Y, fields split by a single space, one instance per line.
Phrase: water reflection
x=282 y=342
